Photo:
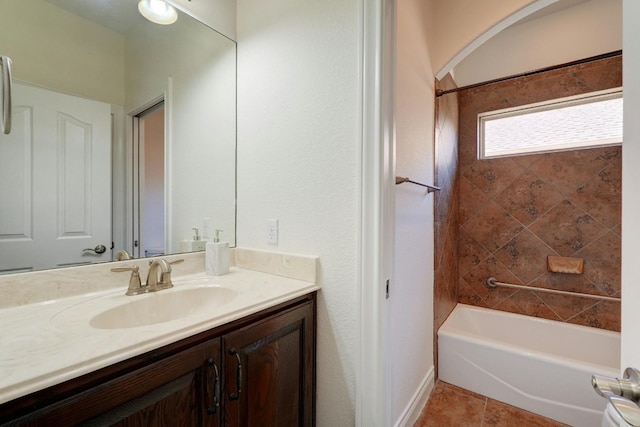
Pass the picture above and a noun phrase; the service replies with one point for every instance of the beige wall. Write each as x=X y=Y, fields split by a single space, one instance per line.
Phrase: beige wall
x=411 y=301
x=585 y=30
x=460 y=22
x=58 y=50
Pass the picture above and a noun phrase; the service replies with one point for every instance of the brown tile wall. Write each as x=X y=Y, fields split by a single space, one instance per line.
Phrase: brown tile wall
x=446 y=206
x=515 y=211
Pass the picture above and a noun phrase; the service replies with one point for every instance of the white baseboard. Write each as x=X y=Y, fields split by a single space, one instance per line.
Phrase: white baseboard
x=411 y=413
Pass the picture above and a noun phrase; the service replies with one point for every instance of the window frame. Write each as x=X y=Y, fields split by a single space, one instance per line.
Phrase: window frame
x=589 y=97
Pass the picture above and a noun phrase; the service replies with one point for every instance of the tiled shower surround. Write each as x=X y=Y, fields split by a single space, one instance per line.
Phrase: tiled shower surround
x=515 y=211
x=446 y=205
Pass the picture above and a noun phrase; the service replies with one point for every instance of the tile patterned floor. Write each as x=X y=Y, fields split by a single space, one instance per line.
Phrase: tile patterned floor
x=450 y=406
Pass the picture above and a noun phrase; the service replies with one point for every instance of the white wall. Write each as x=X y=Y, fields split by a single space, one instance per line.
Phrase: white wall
x=630 y=195
x=411 y=315
x=298 y=161
x=200 y=117
x=585 y=30
x=61 y=51
x=219 y=14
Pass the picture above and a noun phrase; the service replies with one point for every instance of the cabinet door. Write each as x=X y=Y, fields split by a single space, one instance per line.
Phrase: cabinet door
x=269 y=378
x=179 y=390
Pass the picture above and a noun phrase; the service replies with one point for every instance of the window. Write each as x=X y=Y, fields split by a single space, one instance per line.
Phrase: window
x=589 y=120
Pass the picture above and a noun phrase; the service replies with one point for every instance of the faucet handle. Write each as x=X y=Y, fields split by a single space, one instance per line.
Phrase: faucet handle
x=177 y=261
x=135 y=285
x=134 y=268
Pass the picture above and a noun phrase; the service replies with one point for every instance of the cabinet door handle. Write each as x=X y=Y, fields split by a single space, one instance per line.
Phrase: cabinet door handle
x=236 y=395
x=216 y=388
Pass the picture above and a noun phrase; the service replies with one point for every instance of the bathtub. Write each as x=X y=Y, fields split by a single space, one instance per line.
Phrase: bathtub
x=542 y=366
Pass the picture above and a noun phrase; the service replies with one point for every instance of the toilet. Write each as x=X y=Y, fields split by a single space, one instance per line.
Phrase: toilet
x=612 y=418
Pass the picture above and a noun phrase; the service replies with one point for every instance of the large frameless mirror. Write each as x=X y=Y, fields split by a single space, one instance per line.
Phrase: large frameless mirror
x=124 y=134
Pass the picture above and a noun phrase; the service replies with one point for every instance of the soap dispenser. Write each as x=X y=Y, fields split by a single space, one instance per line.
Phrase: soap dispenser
x=195 y=244
x=217 y=257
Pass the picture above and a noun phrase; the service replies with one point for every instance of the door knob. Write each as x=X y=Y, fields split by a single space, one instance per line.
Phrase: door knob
x=100 y=249
x=623 y=393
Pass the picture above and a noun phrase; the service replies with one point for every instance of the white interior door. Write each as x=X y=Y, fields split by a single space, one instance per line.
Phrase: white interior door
x=55 y=181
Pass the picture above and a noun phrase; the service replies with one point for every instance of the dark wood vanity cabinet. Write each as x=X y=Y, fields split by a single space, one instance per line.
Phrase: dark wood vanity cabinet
x=269 y=372
x=257 y=371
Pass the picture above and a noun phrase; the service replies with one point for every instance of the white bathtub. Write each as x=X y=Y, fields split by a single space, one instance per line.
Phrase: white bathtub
x=539 y=365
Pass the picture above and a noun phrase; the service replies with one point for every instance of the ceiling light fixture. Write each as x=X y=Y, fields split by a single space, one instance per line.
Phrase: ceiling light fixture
x=158 y=11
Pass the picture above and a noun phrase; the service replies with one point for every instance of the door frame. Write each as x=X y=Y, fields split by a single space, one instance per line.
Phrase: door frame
x=139 y=170
x=377 y=210
x=630 y=344
x=160 y=95
x=377 y=234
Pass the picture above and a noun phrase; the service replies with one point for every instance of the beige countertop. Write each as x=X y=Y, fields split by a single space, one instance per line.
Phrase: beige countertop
x=48 y=342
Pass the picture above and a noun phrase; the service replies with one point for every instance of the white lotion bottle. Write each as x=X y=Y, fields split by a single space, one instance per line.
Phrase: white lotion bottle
x=195 y=244
x=217 y=257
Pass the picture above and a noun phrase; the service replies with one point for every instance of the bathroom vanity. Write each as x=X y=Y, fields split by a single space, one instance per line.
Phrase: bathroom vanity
x=250 y=361
x=255 y=371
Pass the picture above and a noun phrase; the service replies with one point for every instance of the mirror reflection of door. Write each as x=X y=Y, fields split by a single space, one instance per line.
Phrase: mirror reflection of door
x=149 y=191
x=55 y=182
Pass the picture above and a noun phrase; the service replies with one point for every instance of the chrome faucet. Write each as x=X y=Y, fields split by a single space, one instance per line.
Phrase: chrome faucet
x=158 y=282
x=158 y=277
x=164 y=282
x=122 y=255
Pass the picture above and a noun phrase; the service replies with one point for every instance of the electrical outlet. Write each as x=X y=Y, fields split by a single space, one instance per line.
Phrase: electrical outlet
x=272 y=231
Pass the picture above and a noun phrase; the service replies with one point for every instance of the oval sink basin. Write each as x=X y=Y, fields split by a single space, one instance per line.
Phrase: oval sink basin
x=162 y=306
